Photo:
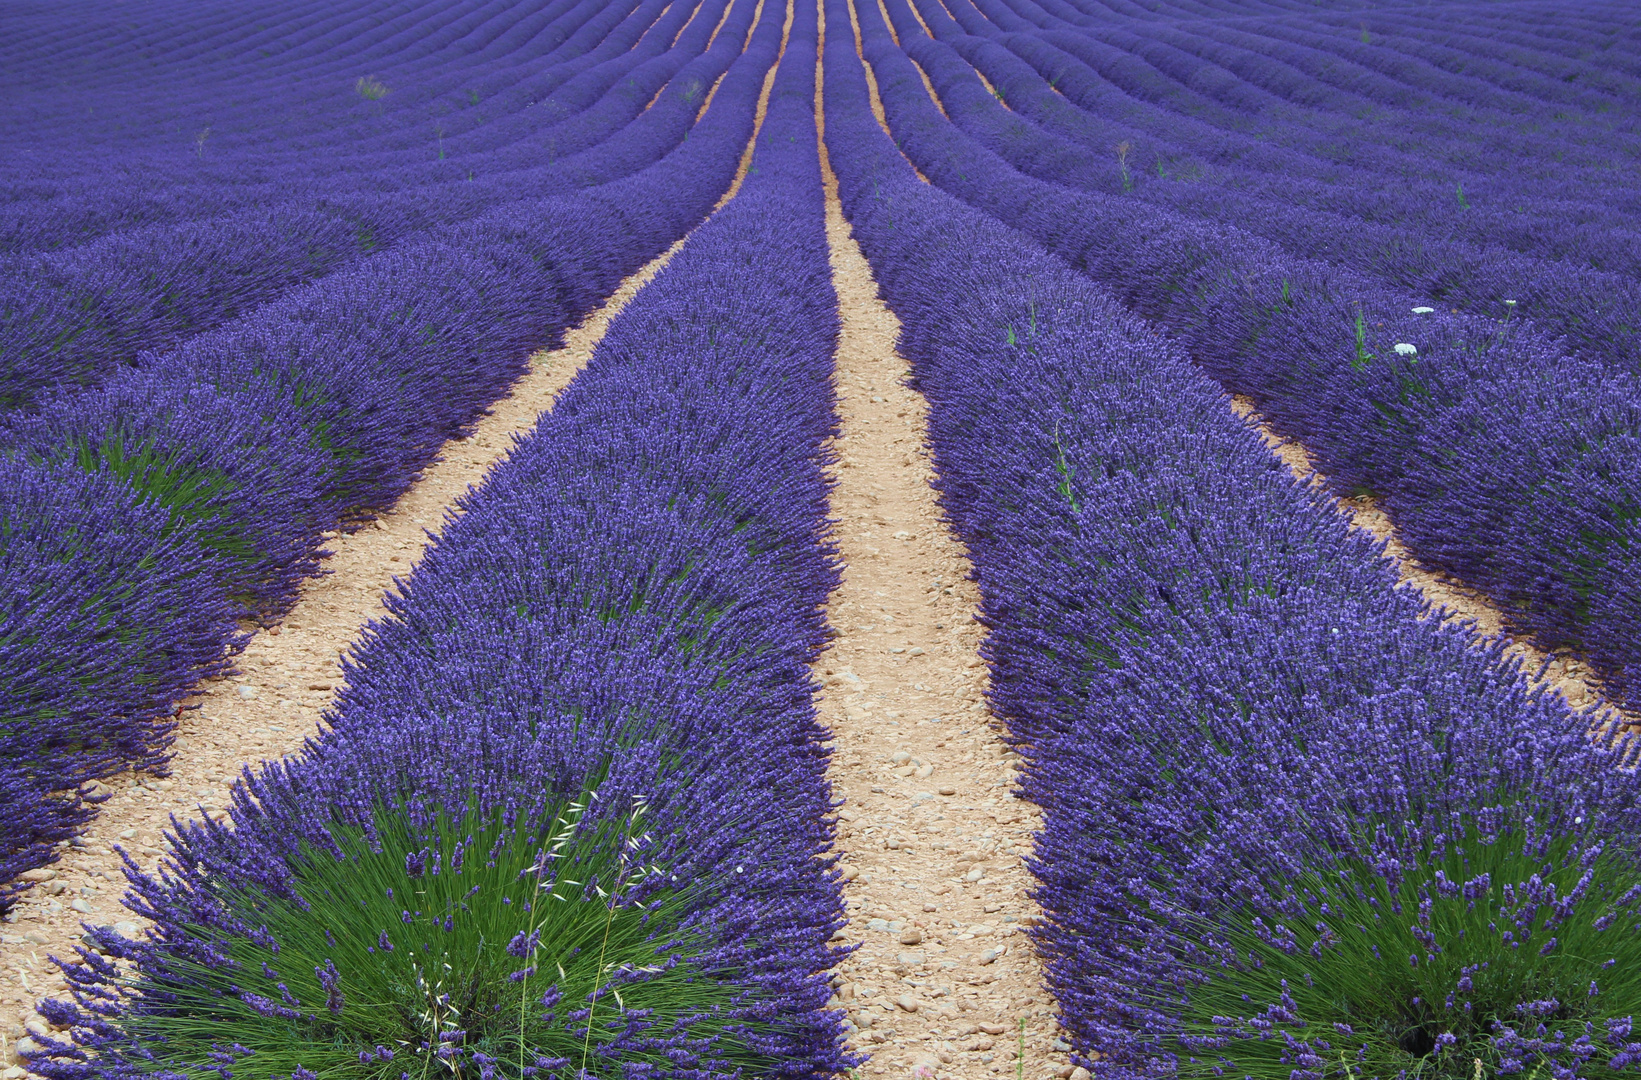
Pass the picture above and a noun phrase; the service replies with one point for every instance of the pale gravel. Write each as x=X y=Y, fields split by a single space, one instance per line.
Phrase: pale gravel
x=904 y=676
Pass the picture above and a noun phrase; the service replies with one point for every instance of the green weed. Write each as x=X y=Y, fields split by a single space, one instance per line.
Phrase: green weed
x=1485 y=950
x=451 y=948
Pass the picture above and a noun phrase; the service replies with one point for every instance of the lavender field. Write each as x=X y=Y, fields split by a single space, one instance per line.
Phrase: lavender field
x=820 y=538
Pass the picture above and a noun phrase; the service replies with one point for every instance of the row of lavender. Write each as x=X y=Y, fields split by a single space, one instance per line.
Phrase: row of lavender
x=313 y=114
x=1501 y=456
x=1486 y=263
x=141 y=519
x=570 y=817
x=1414 y=233
x=75 y=316
x=1322 y=104
x=1295 y=824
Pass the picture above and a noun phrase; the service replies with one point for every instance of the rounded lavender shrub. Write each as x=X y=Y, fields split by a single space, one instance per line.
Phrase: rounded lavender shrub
x=482 y=944
x=1502 y=952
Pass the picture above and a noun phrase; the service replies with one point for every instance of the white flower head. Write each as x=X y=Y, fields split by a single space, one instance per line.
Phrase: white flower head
x=1510 y=303
x=1404 y=349
x=1423 y=310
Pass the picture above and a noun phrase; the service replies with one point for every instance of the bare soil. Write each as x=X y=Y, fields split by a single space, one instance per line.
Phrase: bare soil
x=932 y=837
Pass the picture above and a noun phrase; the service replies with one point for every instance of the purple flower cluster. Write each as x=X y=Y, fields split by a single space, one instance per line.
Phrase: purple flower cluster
x=80 y=555
x=1217 y=684
x=246 y=444
x=1502 y=458
x=630 y=604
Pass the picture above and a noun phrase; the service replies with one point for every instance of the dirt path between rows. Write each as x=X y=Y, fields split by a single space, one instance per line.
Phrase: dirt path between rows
x=1566 y=673
x=944 y=983
x=285 y=678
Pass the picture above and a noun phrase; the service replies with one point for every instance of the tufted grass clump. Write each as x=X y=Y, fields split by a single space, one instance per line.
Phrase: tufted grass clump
x=370 y=88
x=1505 y=955
x=541 y=947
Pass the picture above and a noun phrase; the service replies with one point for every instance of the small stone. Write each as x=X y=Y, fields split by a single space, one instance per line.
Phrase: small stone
x=924 y=772
x=993 y=1029
x=38 y=875
x=247 y=692
x=34 y=937
x=128 y=834
x=1080 y=1073
x=900 y=757
x=162 y=785
x=980 y=1044
x=81 y=906
x=911 y=936
x=947 y=789
x=1065 y=1071
x=849 y=873
x=37 y=1026
x=907 y=1003
x=12 y=939
x=14 y=1072
x=127 y=929
x=989 y=956
x=1060 y=1046
x=27 y=1047
x=915 y=651
x=974 y=875
x=911 y=959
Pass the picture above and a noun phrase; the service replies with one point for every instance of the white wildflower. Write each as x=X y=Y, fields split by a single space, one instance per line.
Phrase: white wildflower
x=1423 y=310
x=1404 y=349
x=1510 y=303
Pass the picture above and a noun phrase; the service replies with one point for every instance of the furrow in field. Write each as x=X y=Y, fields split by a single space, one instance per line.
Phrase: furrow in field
x=930 y=833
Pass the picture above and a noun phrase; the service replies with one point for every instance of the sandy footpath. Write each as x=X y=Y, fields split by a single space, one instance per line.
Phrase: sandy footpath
x=944 y=984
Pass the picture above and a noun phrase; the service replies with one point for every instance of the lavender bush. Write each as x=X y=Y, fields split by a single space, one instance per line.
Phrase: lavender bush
x=582 y=751
x=108 y=616
x=255 y=438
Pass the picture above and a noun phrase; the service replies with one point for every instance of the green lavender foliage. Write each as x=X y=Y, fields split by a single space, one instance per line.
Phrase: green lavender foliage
x=470 y=946
x=1505 y=954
